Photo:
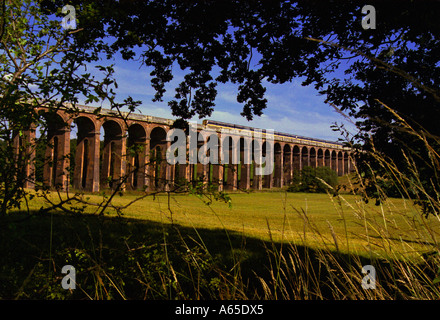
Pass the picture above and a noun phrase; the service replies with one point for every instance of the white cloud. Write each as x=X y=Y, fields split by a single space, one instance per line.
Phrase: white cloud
x=228 y=96
x=157 y=110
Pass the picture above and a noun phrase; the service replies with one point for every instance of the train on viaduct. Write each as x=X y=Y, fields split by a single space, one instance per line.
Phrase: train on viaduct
x=128 y=150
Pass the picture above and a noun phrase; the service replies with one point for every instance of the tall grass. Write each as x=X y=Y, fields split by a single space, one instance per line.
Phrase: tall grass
x=408 y=265
x=405 y=270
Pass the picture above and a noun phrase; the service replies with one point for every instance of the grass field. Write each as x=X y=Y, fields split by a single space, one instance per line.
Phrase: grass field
x=343 y=223
x=260 y=245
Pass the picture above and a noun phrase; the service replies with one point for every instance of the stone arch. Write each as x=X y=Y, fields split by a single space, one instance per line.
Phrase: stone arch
x=304 y=157
x=340 y=164
x=287 y=164
x=278 y=165
x=334 y=161
x=56 y=157
x=24 y=144
x=327 y=159
x=320 y=158
x=86 y=173
x=257 y=180
x=61 y=116
x=296 y=155
x=112 y=163
x=312 y=157
x=157 y=136
x=136 y=156
x=244 y=174
x=216 y=174
x=208 y=149
x=346 y=163
x=231 y=157
x=157 y=154
x=267 y=178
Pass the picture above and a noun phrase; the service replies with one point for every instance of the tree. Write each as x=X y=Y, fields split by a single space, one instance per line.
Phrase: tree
x=320 y=179
x=40 y=66
x=376 y=76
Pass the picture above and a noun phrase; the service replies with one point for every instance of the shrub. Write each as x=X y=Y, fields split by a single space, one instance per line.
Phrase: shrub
x=308 y=180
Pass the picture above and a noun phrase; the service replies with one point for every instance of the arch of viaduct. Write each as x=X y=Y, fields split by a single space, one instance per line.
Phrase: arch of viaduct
x=133 y=154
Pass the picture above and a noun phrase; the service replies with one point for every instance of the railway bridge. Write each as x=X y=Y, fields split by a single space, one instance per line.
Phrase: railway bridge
x=130 y=149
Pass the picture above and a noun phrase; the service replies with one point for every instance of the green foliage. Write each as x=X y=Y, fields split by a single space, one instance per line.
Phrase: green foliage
x=311 y=179
x=41 y=64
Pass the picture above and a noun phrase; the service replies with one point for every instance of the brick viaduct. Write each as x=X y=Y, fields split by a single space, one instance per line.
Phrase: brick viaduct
x=97 y=167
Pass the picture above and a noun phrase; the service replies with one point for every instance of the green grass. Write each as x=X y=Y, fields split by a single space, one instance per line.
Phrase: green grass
x=344 y=223
x=266 y=245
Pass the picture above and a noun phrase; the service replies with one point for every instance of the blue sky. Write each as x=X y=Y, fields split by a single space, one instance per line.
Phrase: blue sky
x=291 y=108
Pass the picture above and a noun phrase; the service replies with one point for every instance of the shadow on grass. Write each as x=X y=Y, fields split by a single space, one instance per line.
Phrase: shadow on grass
x=121 y=258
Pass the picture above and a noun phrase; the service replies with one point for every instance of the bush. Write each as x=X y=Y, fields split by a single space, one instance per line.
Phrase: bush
x=308 y=180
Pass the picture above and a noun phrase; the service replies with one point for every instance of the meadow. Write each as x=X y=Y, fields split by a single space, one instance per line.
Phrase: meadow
x=258 y=245
x=343 y=223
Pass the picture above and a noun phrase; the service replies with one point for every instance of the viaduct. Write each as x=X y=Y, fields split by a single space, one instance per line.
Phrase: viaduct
x=133 y=154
